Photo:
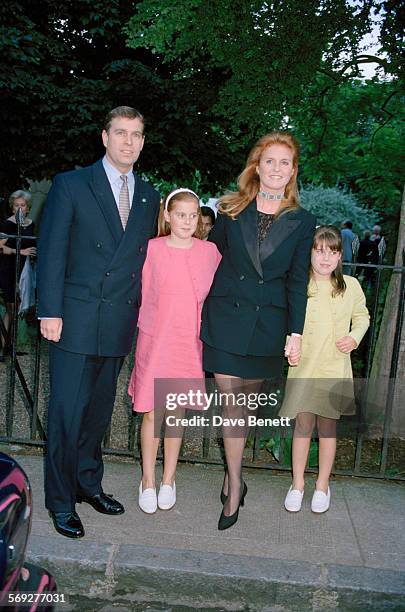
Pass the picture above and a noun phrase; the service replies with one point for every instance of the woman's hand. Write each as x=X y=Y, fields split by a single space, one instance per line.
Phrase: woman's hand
x=346 y=344
x=29 y=251
x=293 y=350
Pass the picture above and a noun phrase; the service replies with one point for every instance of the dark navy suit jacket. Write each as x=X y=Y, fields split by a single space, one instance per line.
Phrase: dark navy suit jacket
x=258 y=294
x=89 y=269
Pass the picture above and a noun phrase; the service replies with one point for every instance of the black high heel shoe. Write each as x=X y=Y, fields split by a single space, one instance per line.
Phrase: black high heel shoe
x=227 y=521
x=225 y=497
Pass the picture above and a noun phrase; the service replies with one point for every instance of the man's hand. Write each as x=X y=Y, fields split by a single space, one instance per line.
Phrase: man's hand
x=293 y=350
x=51 y=329
x=346 y=344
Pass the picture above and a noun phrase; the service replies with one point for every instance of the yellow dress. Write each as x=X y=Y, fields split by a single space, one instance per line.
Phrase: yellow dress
x=322 y=383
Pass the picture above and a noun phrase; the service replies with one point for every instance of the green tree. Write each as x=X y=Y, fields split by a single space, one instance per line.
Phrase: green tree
x=268 y=52
x=63 y=65
x=331 y=206
x=352 y=136
x=296 y=65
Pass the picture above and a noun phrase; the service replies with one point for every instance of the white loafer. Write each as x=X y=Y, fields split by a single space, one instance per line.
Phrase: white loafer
x=147 y=500
x=320 y=501
x=293 y=500
x=167 y=496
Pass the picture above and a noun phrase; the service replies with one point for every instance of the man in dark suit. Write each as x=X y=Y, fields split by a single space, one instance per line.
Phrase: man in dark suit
x=94 y=233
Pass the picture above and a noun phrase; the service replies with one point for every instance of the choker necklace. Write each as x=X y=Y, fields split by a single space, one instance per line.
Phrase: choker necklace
x=269 y=196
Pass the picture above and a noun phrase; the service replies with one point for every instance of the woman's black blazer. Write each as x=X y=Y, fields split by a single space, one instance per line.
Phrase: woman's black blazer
x=258 y=294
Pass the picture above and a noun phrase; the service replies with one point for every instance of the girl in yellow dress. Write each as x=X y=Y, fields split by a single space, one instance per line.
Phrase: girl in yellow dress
x=320 y=384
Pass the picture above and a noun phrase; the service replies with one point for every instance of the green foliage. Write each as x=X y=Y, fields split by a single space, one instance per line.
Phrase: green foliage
x=352 y=135
x=293 y=65
x=332 y=205
x=392 y=34
x=196 y=183
x=65 y=65
x=267 y=52
x=211 y=78
x=281 y=449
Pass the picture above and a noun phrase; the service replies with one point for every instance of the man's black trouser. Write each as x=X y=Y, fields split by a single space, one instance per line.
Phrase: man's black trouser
x=82 y=398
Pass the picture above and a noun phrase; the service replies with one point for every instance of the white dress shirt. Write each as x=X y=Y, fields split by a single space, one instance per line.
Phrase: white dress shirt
x=115 y=180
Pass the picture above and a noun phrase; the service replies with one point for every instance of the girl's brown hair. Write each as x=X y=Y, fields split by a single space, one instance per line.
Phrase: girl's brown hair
x=329 y=236
x=164 y=226
x=234 y=202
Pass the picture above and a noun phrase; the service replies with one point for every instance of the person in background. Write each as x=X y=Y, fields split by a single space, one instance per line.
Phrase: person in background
x=207 y=220
x=376 y=235
x=368 y=254
x=19 y=200
x=347 y=237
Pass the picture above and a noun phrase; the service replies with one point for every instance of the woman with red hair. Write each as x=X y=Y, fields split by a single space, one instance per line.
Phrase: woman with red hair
x=259 y=293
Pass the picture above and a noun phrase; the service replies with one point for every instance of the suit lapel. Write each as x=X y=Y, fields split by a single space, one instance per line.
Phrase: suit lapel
x=278 y=232
x=248 y=224
x=102 y=191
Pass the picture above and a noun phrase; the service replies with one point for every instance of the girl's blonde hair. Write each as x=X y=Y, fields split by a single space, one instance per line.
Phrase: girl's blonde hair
x=330 y=236
x=234 y=202
x=164 y=226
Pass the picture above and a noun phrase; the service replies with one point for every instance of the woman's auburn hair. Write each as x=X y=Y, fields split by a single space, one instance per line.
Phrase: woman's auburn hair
x=164 y=226
x=233 y=202
x=330 y=236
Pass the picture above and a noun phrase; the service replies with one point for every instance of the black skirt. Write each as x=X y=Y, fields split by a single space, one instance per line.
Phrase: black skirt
x=243 y=366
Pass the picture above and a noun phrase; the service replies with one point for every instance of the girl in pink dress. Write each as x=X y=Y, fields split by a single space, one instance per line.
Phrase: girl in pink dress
x=176 y=278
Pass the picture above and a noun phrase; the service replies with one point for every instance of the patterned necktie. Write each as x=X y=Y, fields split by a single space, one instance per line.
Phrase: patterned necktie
x=123 y=203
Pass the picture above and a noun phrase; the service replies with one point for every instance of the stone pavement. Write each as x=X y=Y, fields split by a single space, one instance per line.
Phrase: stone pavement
x=350 y=558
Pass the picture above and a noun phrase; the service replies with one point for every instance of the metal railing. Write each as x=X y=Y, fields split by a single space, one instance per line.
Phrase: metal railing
x=32 y=397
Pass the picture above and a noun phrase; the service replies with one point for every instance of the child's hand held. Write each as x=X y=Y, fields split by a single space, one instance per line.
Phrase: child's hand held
x=293 y=359
x=293 y=350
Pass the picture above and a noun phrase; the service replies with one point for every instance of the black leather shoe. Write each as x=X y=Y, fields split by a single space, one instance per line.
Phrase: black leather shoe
x=67 y=524
x=103 y=503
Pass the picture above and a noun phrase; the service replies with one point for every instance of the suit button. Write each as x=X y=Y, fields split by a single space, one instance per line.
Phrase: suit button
x=99 y=245
x=133 y=275
x=141 y=249
x=257 y=308
x=261 y=281
x=236 y=304
x=107 y=273
x=129 y=301
x=242 y=277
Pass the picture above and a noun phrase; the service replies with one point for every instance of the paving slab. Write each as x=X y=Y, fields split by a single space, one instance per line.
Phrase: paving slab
x=351 y=557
